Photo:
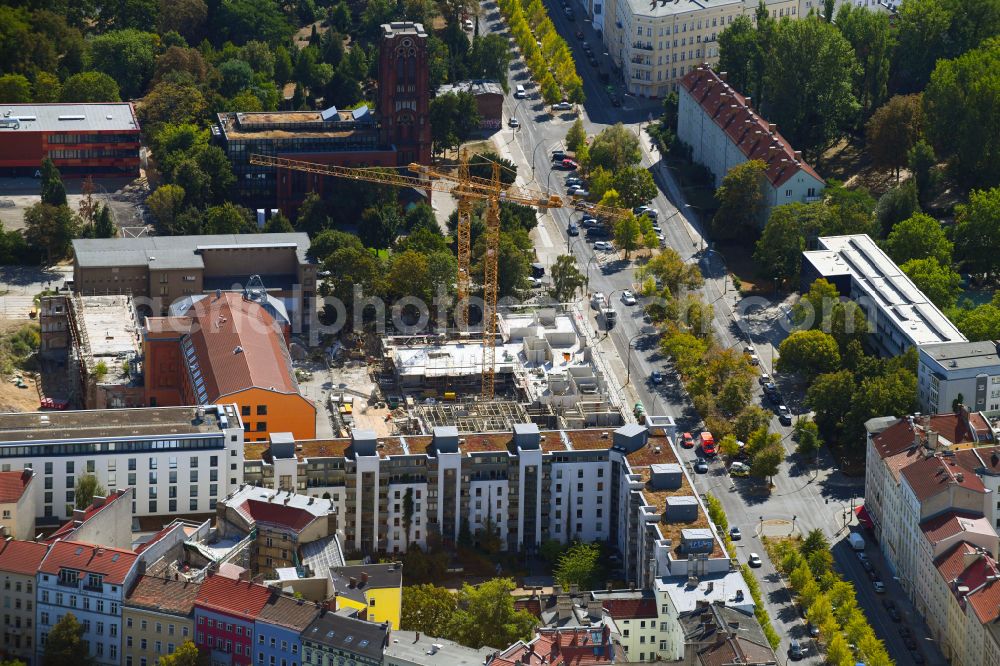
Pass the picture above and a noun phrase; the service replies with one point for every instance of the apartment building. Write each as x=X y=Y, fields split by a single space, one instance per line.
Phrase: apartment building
x=409 y=648
x=18 y=504
x=159 y=270
x=279 y=628
x=227 y=348
x=963 y=610
x=177 y=459
x=19 y=562
x=106 y=520
x=959 y=372
x=724 y=131
x=91 y=582
x=338 y=638
x=625 y=485
x=158 y=617
x=899 y=315
x=376 y=590
x=577 y=645
x=225 y=610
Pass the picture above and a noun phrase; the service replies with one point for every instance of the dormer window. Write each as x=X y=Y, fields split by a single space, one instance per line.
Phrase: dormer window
x=95 y=582
x=69 y=577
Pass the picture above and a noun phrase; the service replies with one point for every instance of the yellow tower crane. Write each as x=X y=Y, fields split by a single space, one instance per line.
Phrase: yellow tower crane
x=466 y=189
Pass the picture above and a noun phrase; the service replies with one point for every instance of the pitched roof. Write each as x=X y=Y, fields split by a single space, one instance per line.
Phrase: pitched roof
x=753 y=135
x=350 y=634
x=736 y=650
x=13 y=485
x=288 y=612
x=563 y=647
x=235 y=597
x=71 y=526
x=979 y=576
x=952 y=523
x=237 y=345
x=630 y=609
x=276 y=514
x=954 y=562
x=21 y=557
x=365 y=577
x=112 y=563
x=164 y=595
x=894 y=439
x=930 y=476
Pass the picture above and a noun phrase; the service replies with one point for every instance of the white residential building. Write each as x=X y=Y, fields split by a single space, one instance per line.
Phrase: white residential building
x=959 y=372
x=899 y=315
x=724 y=131
x=177 y=459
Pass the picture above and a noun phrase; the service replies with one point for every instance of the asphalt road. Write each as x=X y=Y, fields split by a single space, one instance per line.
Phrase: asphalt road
x=802 y=498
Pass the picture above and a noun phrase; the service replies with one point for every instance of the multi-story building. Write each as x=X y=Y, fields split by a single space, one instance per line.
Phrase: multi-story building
x=227 y=348
x=589 y=645
x=398 y=133
x=158 y=617
x=409 y=648
x=374 y=589
x=177 y=459
x=80 y=139
x=19 y=561
x=90 y=582
x=959 y=372
x=279 y=628
x=963 y=611
x=717 y=634
x=18 y=503
x=225 y=610
x=281 y=522
x=899 y=315
x=724 y=131
x=106 y=520
x=339 y=637
x=159 y=270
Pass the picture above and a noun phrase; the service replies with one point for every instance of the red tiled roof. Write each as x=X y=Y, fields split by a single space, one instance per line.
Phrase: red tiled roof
x=223 y=325
x=239 y=598
x=986 y=599
x=13 y=484
x=68 y=528
x=630 y=609
x=987 y=458
x=977 y=572
x=533 y=606
x=21 y=557
x=893 y=440
x=563 y=647
x=931 y=476
x=736 y=650
x=276 y=513
x=953 y=523
x=745 y=129
x=163 y=594
x=112 y=563
x=953 y=563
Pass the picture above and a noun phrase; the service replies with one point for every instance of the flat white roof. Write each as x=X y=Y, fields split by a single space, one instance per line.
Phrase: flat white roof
x=722 y=587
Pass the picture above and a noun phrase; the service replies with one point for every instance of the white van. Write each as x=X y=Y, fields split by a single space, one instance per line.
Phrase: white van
x=519 y=92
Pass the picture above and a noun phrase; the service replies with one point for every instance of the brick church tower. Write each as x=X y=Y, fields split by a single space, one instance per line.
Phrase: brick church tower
x=404 y=91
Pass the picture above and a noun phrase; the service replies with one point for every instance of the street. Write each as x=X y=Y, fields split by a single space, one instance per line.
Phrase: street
x=803 y=497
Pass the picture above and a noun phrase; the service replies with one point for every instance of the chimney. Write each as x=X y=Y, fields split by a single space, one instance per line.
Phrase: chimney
x=723 y=76
x=609 y=586
x=79 y=514
x=364 y=577
x=564 y=607
x=749 y=102
x=772 y=127
x=353 y=582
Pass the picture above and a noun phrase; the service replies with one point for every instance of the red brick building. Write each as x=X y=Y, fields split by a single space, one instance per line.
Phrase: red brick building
x=81 y=139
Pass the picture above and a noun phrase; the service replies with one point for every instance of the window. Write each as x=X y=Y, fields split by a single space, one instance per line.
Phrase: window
x=245 y=410
x=261 y=410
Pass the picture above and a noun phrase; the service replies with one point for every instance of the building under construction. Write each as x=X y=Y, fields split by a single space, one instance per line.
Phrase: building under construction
x=544 y=373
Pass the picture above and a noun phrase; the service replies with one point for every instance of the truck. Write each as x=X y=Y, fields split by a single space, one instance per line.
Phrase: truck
x=856 y=540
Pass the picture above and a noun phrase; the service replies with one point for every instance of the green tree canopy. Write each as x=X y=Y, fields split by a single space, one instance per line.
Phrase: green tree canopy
x=185 y=655
x=65 y=645
x=576 y=135
x=87 y=488
x=870 y=35
x=428 y=609
x=486 y=616
x=166 y=204
x=921 y=236
x=742 y=200
x=15 y=88
x=228 y=218
x=53 y=192
x=615 y=148
x=50 y=229
x=127 y=56
x=380 y=225
x=898 y=204
x=977 y=233
x=778 y=253
x=808 y=353
x=741 y=56
x=579 y=565
x=893 y=129
x=938 y=282
x=830 y=396
x=566 y=279
x=635 y=185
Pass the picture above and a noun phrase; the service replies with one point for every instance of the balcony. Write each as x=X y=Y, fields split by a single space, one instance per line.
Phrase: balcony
x=648 y=46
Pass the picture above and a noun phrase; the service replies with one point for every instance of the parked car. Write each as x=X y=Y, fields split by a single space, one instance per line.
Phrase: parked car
x=558 y=155
x=862 y=555
x=562 y=106
x=573 y=230
x=735 y=534
x=579 y=34
x=796 y=651
x=784 y=416
x=687 y=441
x=656 y=377
x=894 y=614
x=569 y=165
x=701 y=466
x=598 y=232
x=598 y=300
x=812 y=629
x=628 y=298
x=604 y=246
x=770 y=388
x=754 y=560
x=739 y=469
x=588 y=222
x=513 y=122
x=581 y=192
x=764 y=379
x=879 y=586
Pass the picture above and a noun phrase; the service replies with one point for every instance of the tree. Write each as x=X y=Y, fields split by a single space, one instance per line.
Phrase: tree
x=312 y=216
x=196 y=183
x=751 y=419
x=579 y=565
x=166 y=203
x=838 y=652
x=490 y=58
x=807 y=437
x=228 y=219
x=812 y=310
x=428 y=609
x=893 y=129
x=627 y=233
x=453 y=117
x=921 y=236
x=65 y=645
x=741 y=200
x=959 y=102
x=830 y=397
x=566 y=279
x=87 y=488
x=47 y=88
x=921 y=160
x=635 y=185
x=278 y=224
x=977 y=233
x=871 y=38
x=576 y=135
x=212 y=161
x=740 y=56
x=176 y=103
x=481 y=166
x=789 y=228
x=380 y=225
x=185 y=655
x=893 y=393
x=186 y=17
x=851 y=211
x=127 y=56
x=50 y=229
x=896 y=205
x=409 y=275
x=807 y=86
x=53 y=192
x=939 y=283
x=809 y=353
x=766 y=462
x=104 y=226
x=615 y=148
x=486 y=616
x=240 y=20
x=15 y=89
x=815 y=541
x=729 y=446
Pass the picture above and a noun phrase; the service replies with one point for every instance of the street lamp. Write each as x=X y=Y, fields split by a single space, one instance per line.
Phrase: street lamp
x=593 y=258
x=535 y=152
x=646 y=330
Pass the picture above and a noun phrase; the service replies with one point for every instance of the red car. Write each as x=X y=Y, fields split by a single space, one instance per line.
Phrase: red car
x=707 y=444
x=687 y=441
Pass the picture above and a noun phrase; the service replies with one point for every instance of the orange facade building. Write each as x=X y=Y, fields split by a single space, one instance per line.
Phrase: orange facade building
x=227 y=348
